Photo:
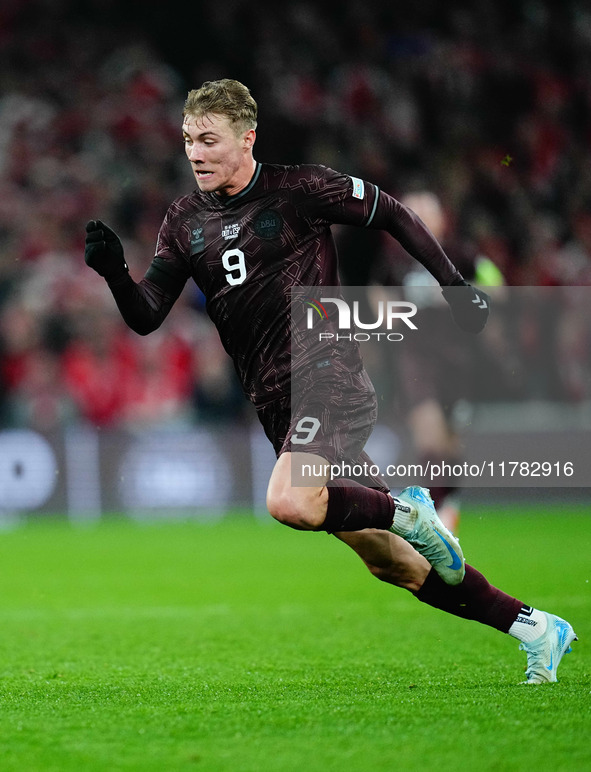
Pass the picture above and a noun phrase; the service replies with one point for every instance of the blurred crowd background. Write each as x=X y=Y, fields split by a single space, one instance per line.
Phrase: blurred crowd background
x=486 y=104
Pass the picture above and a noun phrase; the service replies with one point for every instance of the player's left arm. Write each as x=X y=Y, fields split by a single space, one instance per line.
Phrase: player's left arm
x=469 y=305
x=352 y=201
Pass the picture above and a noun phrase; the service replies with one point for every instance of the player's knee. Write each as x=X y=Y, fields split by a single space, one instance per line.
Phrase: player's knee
x=293 y=510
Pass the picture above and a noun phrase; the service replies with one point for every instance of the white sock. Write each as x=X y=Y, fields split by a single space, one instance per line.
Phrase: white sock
x=405 y=517
x=529 y=625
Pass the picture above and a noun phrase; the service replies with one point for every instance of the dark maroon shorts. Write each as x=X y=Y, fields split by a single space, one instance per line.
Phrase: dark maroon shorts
x=331 y=416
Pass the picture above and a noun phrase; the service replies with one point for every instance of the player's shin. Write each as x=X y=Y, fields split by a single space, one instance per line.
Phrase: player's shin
x=475 y=598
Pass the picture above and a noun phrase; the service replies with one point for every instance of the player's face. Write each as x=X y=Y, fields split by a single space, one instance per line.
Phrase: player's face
x=221 y=159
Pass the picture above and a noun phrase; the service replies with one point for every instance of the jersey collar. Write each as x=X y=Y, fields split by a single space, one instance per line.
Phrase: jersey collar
x=226 y=200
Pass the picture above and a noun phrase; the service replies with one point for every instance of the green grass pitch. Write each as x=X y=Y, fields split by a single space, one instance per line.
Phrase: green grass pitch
x=249 y=647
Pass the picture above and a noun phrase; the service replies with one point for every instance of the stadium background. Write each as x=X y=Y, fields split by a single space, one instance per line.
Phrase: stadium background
x=487 y=104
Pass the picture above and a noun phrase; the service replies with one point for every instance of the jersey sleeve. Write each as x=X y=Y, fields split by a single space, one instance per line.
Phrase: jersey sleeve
x=144 y=305
x=414 y=236
x=338 y=198
x=170 y=267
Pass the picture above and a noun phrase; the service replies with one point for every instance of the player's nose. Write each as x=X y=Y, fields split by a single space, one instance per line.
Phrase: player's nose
x=195 y=154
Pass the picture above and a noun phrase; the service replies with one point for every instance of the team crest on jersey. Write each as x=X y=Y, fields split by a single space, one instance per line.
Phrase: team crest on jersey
x=197 y=239
x=268 y=224
x=231 y=231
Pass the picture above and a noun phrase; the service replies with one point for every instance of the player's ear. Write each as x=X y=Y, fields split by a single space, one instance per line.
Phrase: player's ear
x=249 y=138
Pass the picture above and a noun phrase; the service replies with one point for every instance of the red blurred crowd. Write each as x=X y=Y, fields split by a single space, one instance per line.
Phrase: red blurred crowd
x=489 y=106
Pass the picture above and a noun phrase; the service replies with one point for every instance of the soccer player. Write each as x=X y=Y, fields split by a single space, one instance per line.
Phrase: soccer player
x=247 y=235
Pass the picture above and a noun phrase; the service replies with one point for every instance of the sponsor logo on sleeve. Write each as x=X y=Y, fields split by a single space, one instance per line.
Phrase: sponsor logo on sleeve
x=358 y=187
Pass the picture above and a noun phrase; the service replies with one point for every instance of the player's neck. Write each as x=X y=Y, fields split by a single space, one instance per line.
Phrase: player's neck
x=241 y=179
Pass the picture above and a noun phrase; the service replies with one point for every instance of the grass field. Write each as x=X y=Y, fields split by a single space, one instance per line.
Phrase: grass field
x=252 y=648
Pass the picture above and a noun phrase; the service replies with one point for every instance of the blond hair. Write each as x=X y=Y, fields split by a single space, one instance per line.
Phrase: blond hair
x=223 y=97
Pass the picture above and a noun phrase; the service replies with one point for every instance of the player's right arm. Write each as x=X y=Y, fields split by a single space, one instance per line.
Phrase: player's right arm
x=143 y=305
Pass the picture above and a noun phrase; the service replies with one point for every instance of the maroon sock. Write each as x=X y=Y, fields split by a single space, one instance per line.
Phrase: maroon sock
x=474 y=599
x=353 y=507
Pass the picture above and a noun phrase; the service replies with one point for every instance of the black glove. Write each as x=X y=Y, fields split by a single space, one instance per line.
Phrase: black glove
x=104 y=251
x=469 y=306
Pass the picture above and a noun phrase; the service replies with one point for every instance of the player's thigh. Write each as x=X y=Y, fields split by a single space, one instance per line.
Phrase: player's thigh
x=298 y=473
x=291 y=499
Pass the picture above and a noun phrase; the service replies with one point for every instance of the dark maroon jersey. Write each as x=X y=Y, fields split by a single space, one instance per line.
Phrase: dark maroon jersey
x=246 y=252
